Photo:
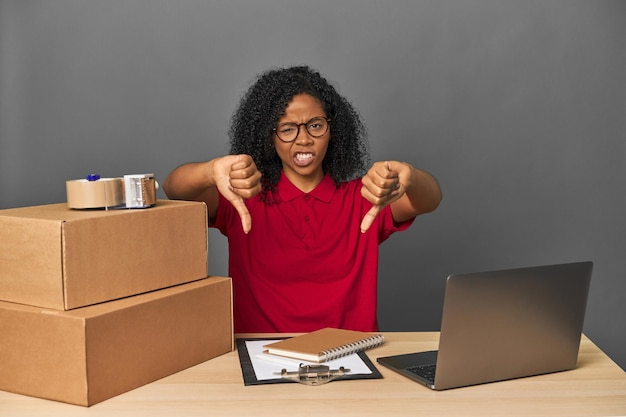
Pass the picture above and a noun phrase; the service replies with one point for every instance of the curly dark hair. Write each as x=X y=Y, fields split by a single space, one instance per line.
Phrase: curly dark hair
x=265 y=102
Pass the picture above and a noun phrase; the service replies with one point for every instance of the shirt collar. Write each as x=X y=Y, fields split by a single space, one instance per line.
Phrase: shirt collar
x=323 y=192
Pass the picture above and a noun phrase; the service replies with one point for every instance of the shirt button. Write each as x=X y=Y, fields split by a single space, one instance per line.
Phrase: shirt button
x=307 y=197
x=306 y=218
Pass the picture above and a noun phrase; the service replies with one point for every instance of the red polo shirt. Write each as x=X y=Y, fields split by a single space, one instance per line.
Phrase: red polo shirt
x=305 y=264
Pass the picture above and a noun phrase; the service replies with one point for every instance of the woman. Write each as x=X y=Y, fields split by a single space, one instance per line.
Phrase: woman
x=303 y=226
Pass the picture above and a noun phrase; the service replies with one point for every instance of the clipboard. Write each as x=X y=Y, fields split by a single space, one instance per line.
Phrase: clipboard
x=250 y=376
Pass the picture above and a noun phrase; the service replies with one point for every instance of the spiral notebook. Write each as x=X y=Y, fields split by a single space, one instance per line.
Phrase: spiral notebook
x=325 y=344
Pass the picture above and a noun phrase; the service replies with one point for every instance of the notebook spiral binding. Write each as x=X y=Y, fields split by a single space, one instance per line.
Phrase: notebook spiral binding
x=350 y=348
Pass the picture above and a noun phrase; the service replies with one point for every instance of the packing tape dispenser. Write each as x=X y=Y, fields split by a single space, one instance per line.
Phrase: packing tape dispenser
x=131 y=191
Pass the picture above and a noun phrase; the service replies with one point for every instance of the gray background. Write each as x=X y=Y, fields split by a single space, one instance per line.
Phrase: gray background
x=517 y=107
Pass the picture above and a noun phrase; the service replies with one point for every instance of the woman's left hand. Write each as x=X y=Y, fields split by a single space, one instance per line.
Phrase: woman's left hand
x=384 y=183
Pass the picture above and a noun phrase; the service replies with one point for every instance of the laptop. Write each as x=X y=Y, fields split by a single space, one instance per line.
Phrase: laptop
x=502 y=325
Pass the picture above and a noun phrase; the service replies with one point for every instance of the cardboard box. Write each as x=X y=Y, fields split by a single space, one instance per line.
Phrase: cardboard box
x=87 y=355
x=55 y=257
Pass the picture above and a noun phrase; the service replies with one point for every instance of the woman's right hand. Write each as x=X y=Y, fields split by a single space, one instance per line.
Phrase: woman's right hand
x=237 y=178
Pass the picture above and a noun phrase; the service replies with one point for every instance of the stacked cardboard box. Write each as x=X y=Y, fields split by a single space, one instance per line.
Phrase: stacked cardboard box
x=95 y=303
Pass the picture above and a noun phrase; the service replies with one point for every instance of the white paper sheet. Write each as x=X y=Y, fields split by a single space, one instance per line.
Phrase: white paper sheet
x=269 y=366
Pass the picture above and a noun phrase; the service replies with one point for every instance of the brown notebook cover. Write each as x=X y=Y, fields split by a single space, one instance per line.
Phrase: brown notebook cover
x=325 y=344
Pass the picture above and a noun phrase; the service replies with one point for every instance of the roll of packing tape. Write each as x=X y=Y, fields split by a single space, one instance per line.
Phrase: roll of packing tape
x=95 y=192
x=132 y=191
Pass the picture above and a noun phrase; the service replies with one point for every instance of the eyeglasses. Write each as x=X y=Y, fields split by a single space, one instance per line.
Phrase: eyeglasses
x=316 y=127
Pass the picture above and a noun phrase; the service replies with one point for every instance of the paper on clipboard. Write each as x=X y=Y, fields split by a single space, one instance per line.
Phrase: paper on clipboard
x=266 y=365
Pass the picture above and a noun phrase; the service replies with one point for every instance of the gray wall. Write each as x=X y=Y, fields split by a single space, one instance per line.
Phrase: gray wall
x=517 y=107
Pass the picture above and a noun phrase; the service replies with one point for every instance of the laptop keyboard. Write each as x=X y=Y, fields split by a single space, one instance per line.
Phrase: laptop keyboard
x=425 y=371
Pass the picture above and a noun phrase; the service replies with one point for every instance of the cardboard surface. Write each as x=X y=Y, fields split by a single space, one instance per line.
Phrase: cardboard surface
x=55 y=257
x=89 y=354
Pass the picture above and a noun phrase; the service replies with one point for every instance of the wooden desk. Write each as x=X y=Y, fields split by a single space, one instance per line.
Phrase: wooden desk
x=215 y=388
